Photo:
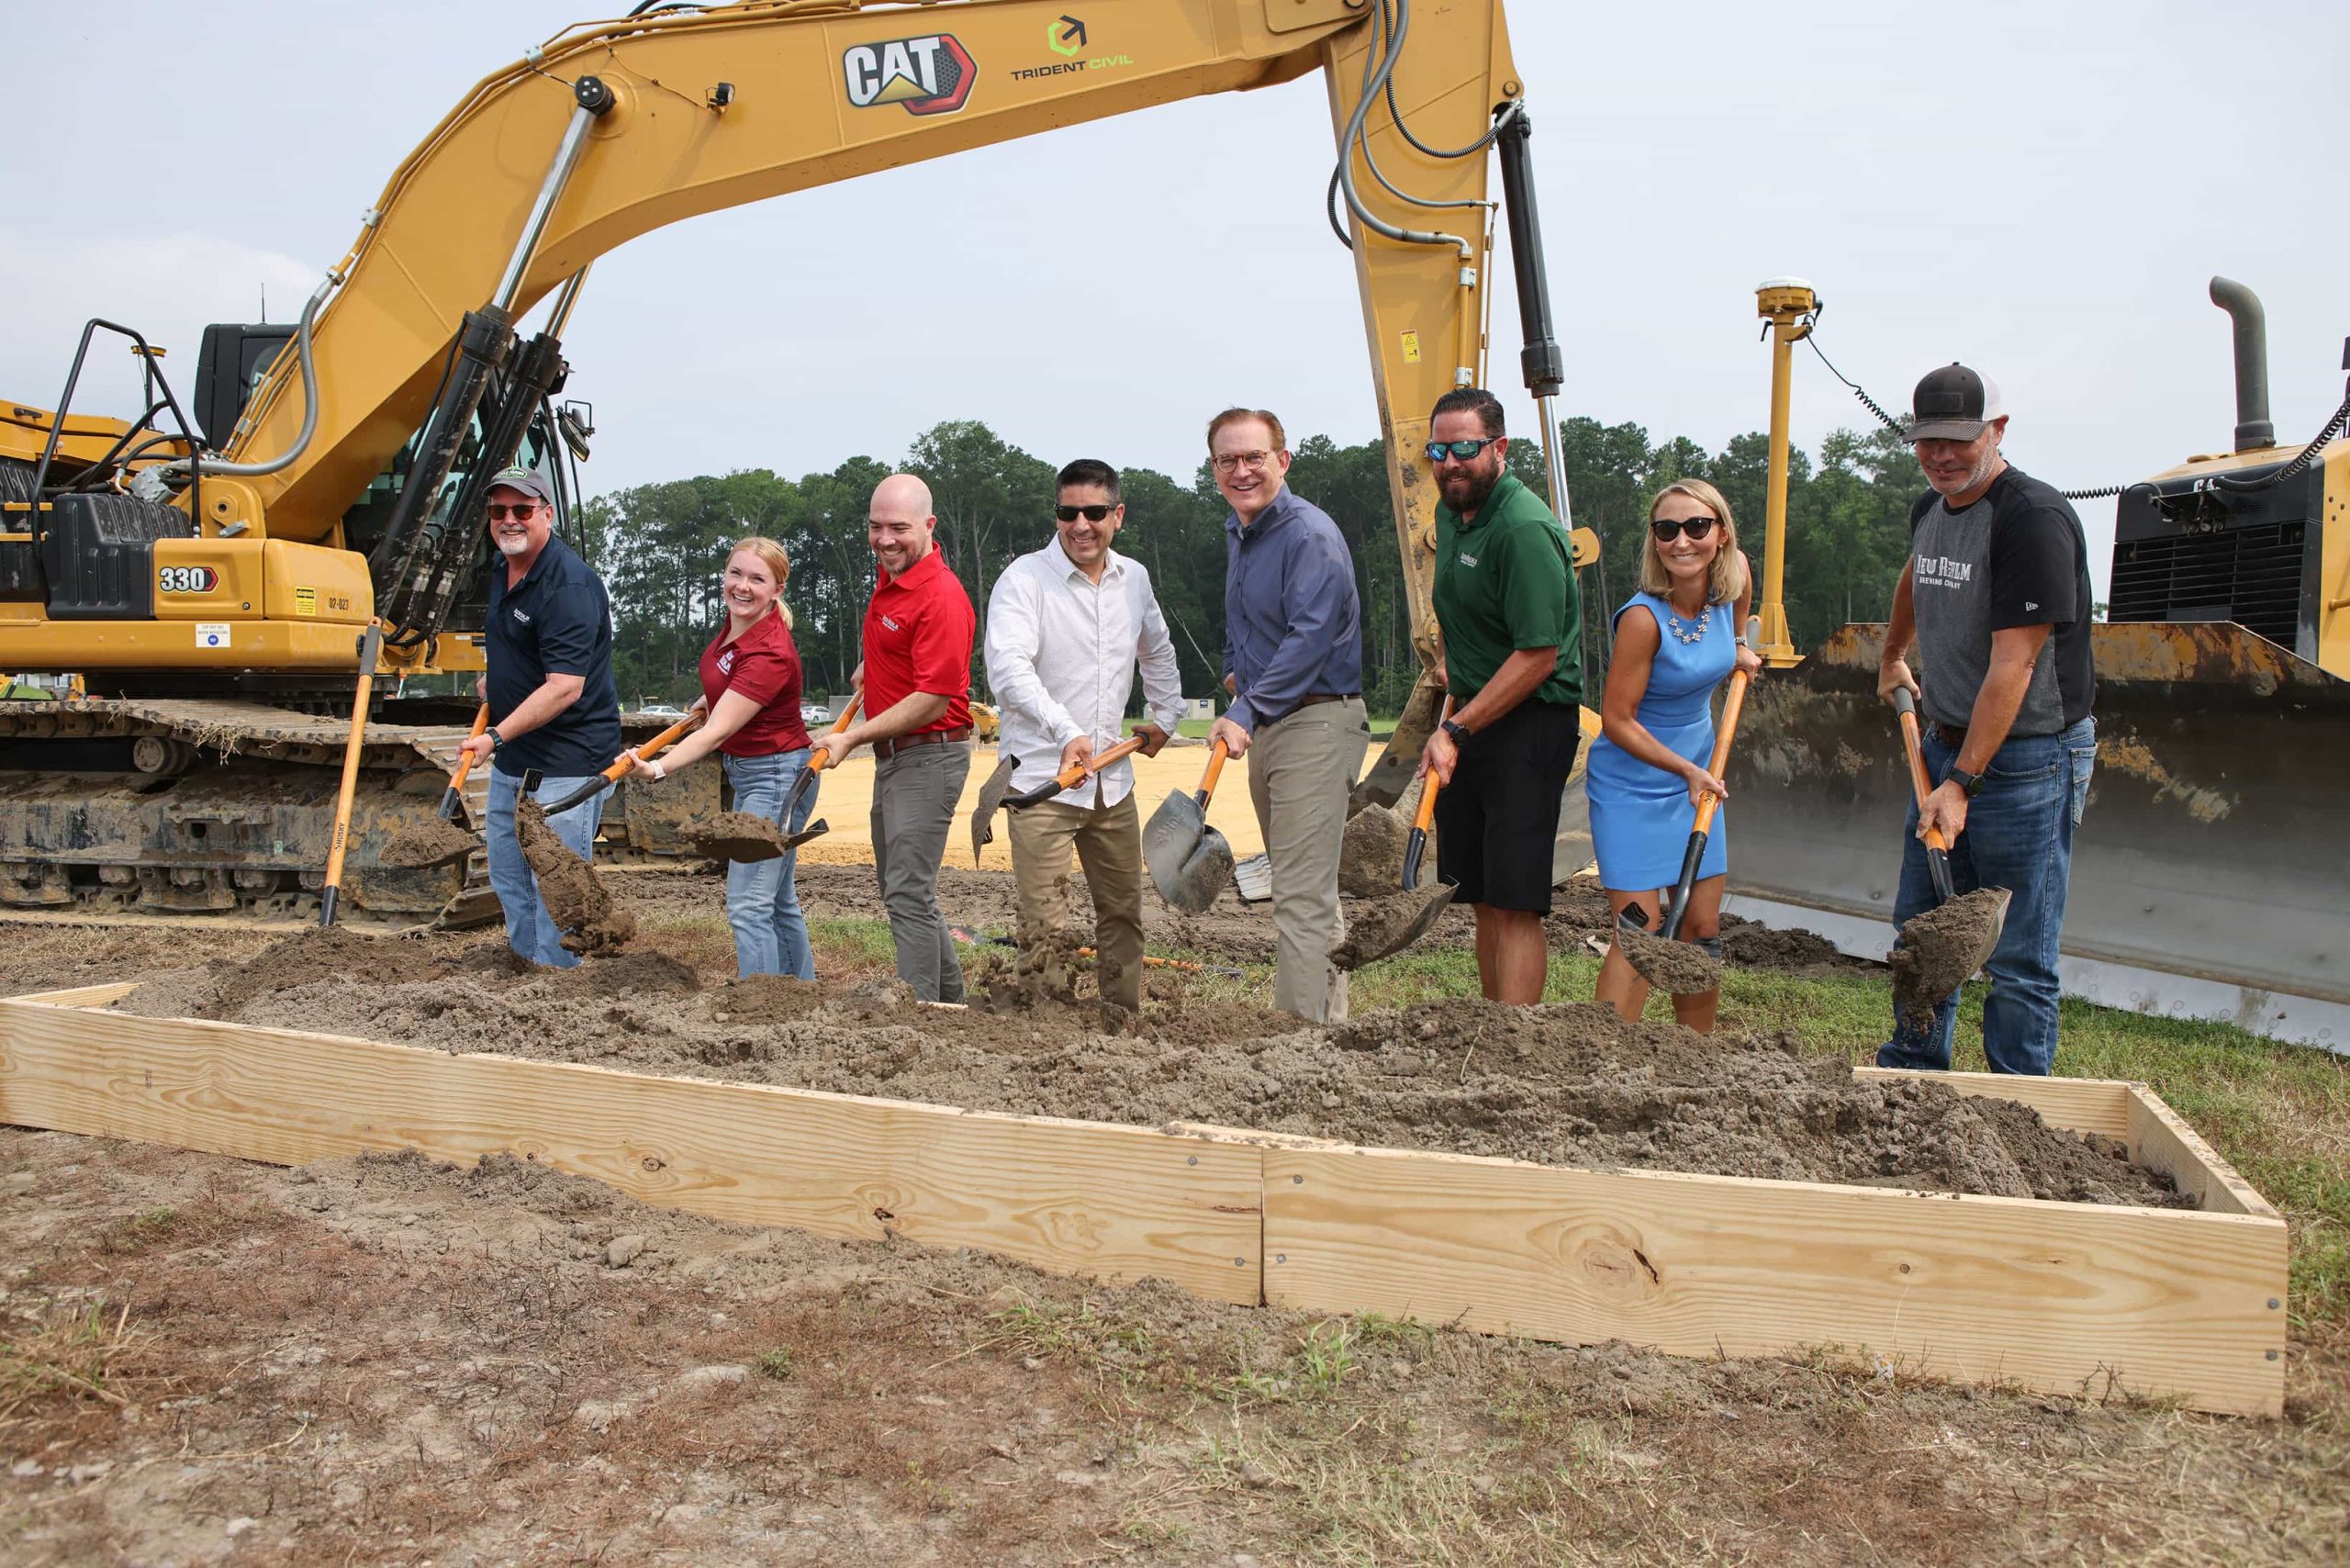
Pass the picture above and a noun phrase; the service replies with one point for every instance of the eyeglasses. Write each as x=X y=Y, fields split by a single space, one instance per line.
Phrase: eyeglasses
x=521 y=513
x=1092 y=513
x=1668 y=529
x=1459 y=451
x=1226 y=462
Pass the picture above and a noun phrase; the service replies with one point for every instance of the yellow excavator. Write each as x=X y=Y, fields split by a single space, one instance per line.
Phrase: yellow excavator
x=2206 y=878
x=209 y=568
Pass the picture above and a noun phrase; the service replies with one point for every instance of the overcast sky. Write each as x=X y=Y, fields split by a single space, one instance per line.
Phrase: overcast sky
x=2041 y=189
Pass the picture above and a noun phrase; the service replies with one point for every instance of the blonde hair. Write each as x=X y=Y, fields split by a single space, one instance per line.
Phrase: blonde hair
x=776 y=562
x=1726 y=577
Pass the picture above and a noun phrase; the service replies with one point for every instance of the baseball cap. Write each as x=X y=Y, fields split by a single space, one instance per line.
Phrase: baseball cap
x=529 y=481
x=1952 y=404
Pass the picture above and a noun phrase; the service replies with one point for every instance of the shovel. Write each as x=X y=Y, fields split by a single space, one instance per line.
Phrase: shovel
x=1189 y=860
x=991 y=793
x=453 y=797
x=1415 y=843
x=1940 y=949
x=621 y=764
x=819 y=759
x=1698 y=971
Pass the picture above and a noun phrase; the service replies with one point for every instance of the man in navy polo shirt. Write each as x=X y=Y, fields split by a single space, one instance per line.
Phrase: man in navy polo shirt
x=553 y=706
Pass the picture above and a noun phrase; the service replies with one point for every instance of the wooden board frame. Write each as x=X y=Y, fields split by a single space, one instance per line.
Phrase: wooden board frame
x=2067 y=1298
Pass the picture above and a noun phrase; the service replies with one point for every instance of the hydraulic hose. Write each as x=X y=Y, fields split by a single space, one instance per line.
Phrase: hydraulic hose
x=181 y=469
x=1377 y=79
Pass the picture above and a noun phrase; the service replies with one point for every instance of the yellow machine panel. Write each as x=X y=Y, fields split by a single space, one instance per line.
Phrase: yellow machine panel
x=208 y=579
x=310 y=582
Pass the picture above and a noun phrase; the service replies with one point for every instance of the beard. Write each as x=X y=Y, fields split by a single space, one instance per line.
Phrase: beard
x=511 y=545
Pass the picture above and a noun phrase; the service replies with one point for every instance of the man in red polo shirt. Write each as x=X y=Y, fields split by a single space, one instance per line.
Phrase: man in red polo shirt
x=917 y=682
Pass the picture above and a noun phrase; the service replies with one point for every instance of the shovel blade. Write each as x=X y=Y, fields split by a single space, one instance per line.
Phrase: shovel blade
x=1189 y=860
x=990 y=797
x=1378 y=927
x=816 y=829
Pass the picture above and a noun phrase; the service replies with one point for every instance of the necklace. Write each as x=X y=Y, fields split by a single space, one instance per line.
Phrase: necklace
x=1692 y=634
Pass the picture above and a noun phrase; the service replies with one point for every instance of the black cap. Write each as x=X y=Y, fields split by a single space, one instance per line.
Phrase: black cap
x=1952 y=404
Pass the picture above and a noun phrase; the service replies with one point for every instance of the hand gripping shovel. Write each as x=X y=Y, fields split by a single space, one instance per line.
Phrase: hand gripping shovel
x=819 y=759
x=1415 y=843
x=1940 y=949
x=1189 y=860
x=621 y=765
x=1687 y=969
x=453 y=796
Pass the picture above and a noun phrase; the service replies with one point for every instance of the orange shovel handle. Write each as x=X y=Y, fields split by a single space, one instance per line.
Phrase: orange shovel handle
x=1216 y=765
x=653 y=747
x=822 y=758
x=1426 y=815
x=1070 y=777
x=465 y=759
x=1906 y=707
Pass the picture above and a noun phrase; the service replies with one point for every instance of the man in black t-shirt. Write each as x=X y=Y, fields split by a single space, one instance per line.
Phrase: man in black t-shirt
x=547 y=640
x=1996 y=599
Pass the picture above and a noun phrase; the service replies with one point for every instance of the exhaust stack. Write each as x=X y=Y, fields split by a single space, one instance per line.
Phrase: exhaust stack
x=2254 y=428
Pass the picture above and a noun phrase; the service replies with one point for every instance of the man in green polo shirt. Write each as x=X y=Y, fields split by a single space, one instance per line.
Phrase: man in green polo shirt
x=1507 y=610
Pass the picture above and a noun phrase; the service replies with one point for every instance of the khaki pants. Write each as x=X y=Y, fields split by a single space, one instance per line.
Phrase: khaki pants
x=1300 y=771
x=913 y=806
x=1108 y=843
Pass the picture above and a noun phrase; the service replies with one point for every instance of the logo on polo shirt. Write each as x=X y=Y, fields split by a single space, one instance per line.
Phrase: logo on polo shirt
x=523 y=616
x=1467 y=559
x=891 y=624
x=726 y=662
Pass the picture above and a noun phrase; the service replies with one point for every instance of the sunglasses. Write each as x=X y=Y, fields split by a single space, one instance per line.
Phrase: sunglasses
x=1090 y=514
x=1668 y=529
x=1459 y=451
x=499 y=513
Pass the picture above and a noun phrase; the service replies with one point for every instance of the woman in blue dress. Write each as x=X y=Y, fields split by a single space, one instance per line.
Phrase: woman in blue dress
x=1676 y=640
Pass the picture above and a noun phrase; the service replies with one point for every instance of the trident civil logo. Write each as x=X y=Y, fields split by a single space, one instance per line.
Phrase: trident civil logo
x=930 y=75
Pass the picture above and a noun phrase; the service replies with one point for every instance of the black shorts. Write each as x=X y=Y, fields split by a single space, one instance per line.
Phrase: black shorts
x=1498 y=821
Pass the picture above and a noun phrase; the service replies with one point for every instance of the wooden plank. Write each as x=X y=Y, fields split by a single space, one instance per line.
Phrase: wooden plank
x=2080 y=1104
x=83 y=996
x=2060 y=1297
x=1078 y=1197
x=2161 y=1139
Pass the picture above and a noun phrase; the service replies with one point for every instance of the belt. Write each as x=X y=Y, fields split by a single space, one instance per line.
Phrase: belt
x=1951 y=735
x=1310 y=698
x=884 y=750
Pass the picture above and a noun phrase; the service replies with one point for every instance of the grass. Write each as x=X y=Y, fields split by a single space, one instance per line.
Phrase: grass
x=64 y=1350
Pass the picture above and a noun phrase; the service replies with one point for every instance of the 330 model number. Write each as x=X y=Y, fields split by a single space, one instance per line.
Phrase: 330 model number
x=186 y=580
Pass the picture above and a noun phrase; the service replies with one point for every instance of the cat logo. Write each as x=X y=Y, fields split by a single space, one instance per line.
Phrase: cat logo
x=929 y=75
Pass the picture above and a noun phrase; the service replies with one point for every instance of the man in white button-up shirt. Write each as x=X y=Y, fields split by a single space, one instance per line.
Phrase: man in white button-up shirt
x=1067 y=626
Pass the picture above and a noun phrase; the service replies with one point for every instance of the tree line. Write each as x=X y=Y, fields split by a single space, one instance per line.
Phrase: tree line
x=658 y=546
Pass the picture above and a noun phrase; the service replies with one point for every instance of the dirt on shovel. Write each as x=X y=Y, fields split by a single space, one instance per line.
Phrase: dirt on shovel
x=1377 y=927
x=1681 y=968
x=1941 y=950
x=433 y=842
x=738 y=835
x=1370 y=862
x=583 y=909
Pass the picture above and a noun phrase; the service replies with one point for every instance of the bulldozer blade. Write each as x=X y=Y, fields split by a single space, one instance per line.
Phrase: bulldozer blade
x=990 y=797
x=2202 y=883
x=1377 y=927
x=1189 y=860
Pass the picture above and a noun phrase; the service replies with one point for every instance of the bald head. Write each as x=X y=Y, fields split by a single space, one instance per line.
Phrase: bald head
x=899 y=524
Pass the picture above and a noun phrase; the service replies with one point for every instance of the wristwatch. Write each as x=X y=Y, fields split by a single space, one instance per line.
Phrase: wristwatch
x=496 y=740
x=1457 y=730
x=1970 y=782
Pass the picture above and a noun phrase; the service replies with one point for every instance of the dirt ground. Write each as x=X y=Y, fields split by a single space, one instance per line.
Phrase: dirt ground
x=381 y=1361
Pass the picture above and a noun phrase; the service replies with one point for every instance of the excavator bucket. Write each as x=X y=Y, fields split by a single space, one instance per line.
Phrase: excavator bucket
x=2207 y=871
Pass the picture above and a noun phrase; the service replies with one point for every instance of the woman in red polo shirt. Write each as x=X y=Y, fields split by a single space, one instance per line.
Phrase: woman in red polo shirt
x=750 y=685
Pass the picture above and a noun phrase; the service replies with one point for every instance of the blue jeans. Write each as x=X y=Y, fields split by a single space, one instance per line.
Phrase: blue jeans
x=2019 y=836
x=529 y=929
x=763 y=896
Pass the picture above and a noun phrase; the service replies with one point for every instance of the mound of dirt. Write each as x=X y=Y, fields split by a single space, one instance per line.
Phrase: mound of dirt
x=1377 y=927
x=583 y=909
x=738 y=835
x=1371 y=864
x=1561 y=1085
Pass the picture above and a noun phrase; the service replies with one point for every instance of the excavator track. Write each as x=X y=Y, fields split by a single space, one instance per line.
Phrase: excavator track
x=138 y=810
